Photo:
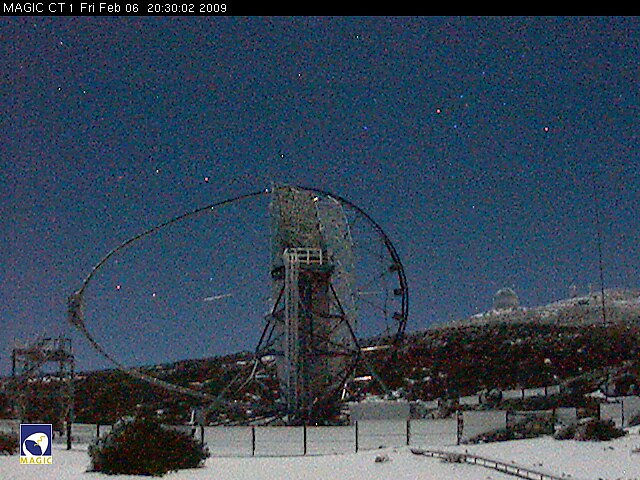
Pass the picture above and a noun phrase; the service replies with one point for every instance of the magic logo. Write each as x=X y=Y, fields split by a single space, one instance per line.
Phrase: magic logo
x=35 y=443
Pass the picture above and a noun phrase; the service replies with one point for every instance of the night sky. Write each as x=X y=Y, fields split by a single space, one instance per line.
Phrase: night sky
x=484 y=147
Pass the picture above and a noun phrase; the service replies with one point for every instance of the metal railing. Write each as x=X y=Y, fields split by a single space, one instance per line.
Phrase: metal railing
x=509 y=468
x=304 y=255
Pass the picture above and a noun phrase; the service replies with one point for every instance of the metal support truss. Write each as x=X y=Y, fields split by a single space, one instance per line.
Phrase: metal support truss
x=38 y=392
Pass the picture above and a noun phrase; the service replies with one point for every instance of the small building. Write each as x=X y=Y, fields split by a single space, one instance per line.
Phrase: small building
x=505 y=298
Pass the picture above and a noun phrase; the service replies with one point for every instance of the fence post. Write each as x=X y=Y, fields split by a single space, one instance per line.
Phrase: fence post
x=356 y=436
x=98 y=430
x=202 y=434
x=408 y=431
x=69 y=435
x=459 y=426
x=253 y=440
x=304 y=438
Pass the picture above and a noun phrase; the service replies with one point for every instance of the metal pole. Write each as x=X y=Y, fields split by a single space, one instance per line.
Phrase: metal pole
x=69 y=435
x=408 y=431
x=304 y=437
x=596 y=207
x=253 y=441
x=356 y=436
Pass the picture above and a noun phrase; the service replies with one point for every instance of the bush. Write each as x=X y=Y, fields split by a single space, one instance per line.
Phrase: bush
x=635 y=420
x=8 y=443
x=144 y=447
x=590 y=429
x=529 y=428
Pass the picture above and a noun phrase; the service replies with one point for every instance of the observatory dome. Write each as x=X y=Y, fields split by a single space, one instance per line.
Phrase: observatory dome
x=505 y=298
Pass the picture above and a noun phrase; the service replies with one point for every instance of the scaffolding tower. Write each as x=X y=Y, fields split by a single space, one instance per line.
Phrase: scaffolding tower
x=40 y=392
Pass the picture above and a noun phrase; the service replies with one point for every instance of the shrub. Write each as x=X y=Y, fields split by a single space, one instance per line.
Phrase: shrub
x=144 y=447
x=635 y=420
x=590 y=429
x=529 y=428
x=8 y=443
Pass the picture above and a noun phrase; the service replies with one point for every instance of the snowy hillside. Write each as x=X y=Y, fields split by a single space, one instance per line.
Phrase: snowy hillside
x=506 y=349
x=620 y=306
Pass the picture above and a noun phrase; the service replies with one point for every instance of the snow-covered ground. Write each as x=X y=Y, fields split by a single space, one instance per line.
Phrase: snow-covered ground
x=402 y=465
x=612 y=460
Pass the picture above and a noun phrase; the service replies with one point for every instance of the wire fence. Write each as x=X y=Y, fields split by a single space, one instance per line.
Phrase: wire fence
x=327 y=440
x=320 y=440
x=239 y=441
x=235 y=441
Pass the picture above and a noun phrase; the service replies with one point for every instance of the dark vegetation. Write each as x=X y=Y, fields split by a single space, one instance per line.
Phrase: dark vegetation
x=105 y=396
x=8 y=443
x=590 y=429
x=452 y=362
x=144 y=447
x=530 y=428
